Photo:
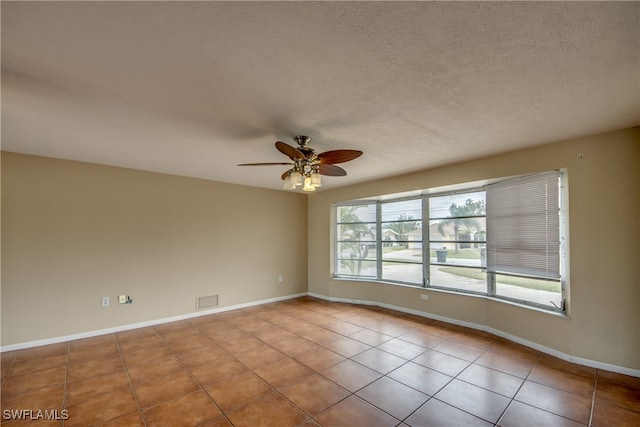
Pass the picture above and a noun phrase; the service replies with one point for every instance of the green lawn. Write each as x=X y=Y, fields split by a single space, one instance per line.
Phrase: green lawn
x=472 y=273
x=467 y=253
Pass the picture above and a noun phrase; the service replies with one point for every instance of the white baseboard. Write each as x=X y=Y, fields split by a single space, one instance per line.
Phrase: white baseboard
x=105 y=331
x=497 y=332
x=544 y=349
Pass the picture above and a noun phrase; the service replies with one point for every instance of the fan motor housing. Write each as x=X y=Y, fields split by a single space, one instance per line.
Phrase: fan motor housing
x=302 y=140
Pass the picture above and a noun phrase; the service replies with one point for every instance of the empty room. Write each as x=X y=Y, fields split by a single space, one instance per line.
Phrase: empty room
x=320 y=213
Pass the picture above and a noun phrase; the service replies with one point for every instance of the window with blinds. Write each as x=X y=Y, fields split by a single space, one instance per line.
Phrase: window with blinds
x=503 y=240
x=523 y=226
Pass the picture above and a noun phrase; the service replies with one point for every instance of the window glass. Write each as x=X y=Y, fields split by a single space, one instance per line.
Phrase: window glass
x=459 y=278
x=357 y=213
x=457 y=241
x=402 y=241
x=361 y=231
x=504 y=242
x=356 y=241
x=457 y=205
x=529 y=289
x=357 y=268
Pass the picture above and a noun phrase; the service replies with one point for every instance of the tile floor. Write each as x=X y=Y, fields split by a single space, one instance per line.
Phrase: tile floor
x=308 y=362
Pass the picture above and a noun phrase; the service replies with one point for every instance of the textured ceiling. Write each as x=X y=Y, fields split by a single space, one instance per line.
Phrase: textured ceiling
x=194 y=88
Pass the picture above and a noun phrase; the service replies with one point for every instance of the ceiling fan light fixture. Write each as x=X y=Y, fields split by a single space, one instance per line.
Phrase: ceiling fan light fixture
x=307 y=185
x=315 y=180
x=296 y=178
x=288 y=183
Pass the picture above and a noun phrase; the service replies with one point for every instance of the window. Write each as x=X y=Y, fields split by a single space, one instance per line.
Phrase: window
x=504 y=240
x=356 y=243
x=457 y=240
x=402 y=241
x=523 y=244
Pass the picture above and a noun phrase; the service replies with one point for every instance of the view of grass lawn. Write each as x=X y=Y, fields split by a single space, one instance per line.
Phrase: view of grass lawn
x=539 y=284
x=467 y=253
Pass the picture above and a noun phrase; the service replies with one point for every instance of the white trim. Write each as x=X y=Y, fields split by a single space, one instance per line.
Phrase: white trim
x=544 y=349
x=98 y=332
x=567 y=357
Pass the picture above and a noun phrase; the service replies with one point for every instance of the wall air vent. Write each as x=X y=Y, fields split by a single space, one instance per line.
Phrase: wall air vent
x=205 y=302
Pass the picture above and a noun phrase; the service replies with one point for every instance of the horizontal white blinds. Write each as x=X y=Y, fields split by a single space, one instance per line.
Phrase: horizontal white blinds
x=523 y=226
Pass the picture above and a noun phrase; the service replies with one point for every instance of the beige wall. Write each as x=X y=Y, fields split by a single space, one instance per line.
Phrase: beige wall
x=75 y=232
x=604 y=216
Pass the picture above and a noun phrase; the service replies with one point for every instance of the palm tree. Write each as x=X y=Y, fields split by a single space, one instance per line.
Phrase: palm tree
x=404 y=225
x=462 y=216
x=354 y=230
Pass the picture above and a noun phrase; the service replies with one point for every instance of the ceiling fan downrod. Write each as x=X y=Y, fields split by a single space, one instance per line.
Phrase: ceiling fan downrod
x=302 y=140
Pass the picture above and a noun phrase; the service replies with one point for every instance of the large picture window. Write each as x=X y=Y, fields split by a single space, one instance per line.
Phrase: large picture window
x=503 y=240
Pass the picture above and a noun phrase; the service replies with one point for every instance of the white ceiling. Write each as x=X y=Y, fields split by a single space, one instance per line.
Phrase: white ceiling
x=194 y=88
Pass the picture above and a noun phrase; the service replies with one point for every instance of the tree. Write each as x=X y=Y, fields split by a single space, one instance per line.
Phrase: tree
x=353 y=231
x=404 y=225
x=459 y=216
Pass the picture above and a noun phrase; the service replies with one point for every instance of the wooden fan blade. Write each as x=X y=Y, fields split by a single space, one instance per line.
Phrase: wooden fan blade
x=284 y=175
x=288 y=150
x=331 y=170
x=263 y=164
x=338 y=156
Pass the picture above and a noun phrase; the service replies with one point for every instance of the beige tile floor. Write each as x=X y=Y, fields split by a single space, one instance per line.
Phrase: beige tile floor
x=308 y=362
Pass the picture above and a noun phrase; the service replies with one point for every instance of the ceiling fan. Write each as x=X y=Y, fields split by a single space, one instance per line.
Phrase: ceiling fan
x=307 y=165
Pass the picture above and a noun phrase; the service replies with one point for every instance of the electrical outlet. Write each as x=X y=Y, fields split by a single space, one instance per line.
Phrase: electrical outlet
x=280 y=279
x=424 y=296
x=124 y=299
x=106 y=301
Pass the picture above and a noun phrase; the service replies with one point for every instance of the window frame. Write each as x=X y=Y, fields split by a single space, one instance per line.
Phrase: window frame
x=337 y=241
x=429 y=283
x=490 y=291
x=379 y=244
